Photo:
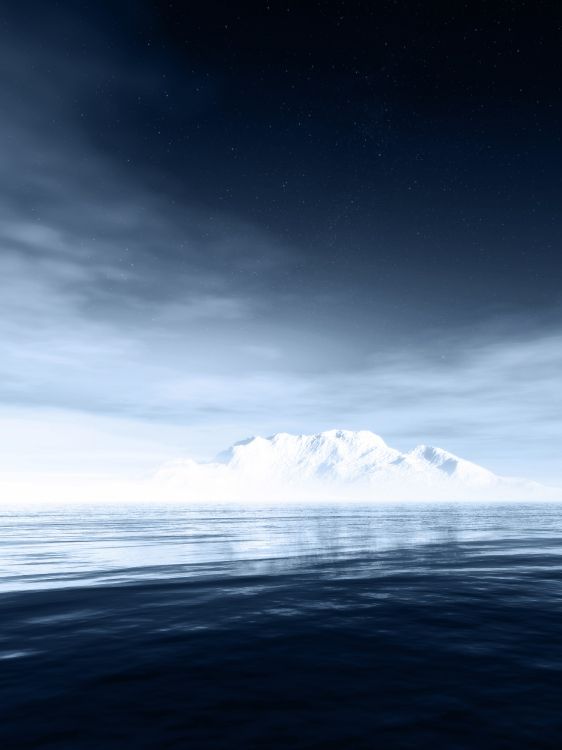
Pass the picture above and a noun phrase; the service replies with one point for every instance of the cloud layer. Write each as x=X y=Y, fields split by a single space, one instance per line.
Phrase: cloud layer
x=138 y=323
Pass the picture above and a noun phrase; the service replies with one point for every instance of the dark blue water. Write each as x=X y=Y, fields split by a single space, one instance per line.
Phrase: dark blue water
x=321 y=627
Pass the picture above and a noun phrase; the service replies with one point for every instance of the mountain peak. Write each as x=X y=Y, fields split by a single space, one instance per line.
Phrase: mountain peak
x=336 y=454
x=350 y=456
x=335 y=435
x=322 y=462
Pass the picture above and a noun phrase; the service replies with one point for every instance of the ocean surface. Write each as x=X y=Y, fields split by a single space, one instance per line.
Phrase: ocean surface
x=412 y=626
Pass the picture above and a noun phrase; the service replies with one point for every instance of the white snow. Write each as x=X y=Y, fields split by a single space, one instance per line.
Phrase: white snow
x=337 y=464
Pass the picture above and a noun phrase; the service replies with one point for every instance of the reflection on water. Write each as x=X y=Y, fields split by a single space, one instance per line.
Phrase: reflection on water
x=405 y=626
x=83 y=546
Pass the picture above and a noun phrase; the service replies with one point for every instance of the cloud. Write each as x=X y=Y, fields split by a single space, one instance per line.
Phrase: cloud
x=125 y=304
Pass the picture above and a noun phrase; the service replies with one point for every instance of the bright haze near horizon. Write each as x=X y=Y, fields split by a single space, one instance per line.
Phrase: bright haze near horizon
x=228 y=219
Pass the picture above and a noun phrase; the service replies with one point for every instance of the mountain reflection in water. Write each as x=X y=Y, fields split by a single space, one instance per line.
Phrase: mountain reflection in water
x=320 y=627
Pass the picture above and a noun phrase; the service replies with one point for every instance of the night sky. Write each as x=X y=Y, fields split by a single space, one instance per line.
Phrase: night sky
x=224 y=219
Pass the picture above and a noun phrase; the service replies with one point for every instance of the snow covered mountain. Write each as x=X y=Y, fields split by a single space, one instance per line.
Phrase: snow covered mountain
x=338 y=463
x=347 y=456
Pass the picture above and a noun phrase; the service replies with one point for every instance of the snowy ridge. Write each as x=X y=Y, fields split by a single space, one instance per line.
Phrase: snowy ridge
x=338 y=464
x=346 y=456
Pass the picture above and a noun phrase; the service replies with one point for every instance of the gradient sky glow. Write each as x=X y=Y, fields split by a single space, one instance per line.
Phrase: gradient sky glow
x=234 y=219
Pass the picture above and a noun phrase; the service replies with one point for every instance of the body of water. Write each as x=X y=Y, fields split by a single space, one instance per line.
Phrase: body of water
x=412 y=626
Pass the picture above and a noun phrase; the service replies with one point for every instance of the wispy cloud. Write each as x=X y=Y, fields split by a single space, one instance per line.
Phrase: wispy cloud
x=127 y=311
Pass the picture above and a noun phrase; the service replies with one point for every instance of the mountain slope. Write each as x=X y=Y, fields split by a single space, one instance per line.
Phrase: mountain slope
x=346 y=456
x=339 y=463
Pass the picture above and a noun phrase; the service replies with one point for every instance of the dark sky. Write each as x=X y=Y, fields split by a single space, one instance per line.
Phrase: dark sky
x=223 y=218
